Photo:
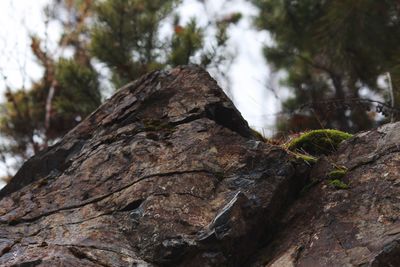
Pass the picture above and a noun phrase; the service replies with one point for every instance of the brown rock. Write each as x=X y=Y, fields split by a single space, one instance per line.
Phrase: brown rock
x=355 y=227
x=165 y=173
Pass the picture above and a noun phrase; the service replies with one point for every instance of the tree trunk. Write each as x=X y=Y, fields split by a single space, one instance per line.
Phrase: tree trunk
x=343 y=122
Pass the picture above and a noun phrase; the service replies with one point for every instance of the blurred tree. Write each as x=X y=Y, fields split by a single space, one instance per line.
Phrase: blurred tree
x=330 y=50
x=126 y=37
x=129 y=37
x=32 y=118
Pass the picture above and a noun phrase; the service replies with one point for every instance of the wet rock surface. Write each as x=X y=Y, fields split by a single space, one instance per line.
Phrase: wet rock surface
x=168 y=173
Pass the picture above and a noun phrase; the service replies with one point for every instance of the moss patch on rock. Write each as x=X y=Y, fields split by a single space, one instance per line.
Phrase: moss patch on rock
x=258 y=135
x=310 y=160
x=336 y=183
x=318 y=142
x=308 y=186
x=337 y=173
x=156 y=125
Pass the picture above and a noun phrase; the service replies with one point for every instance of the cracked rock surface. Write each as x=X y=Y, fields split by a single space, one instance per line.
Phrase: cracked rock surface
x=168 y=173
x=359 y=226
x=165 y=173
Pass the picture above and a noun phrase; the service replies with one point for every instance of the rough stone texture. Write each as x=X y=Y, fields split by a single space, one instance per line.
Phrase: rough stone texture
x=167 y=173
x=355 y=227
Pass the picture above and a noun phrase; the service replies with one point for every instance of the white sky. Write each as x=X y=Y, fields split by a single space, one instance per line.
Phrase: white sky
x=248 y=73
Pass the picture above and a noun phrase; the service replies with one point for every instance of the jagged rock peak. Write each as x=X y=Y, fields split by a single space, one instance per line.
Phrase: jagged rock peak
x=165 y=173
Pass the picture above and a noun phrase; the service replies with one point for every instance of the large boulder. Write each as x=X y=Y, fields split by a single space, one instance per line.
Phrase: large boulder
x=356 y=224
x=165 y=173
x=168 y=173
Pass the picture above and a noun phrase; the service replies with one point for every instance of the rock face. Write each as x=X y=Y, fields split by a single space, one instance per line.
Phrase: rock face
x=167 y=173
x=355 y=227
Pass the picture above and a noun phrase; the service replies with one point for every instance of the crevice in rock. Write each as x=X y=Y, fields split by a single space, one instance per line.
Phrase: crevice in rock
x=82 y=255
x=263 y=222
x=189 y=119
x=28 y=263
x=228 y=117
x=29 y=220
x=390 y=255
x=189 y=194
x=375 y=158
x=96 y=248
x=133 y=205
x=274 y=226
x=8 y=247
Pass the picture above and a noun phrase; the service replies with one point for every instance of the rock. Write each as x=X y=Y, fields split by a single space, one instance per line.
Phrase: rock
x=165 y=173
x=355 y=227
x=168 y=173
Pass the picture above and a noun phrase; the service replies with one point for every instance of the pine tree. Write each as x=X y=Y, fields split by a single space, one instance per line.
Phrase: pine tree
x=123 y=35
x=126 y=38
x=33 y=118
x=331 y=50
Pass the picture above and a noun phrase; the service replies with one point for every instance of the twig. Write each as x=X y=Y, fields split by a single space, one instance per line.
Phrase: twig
x=392 y=100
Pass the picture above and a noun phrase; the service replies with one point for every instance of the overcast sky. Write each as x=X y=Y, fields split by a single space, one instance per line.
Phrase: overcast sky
x=248 y=74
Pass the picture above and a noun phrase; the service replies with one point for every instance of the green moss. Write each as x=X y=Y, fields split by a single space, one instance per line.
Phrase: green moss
x=338 y=173
x=306 y=158
x=258 y=135
x=156 y=125
x=338 y=184
x=318 y=142
x=308 y=186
